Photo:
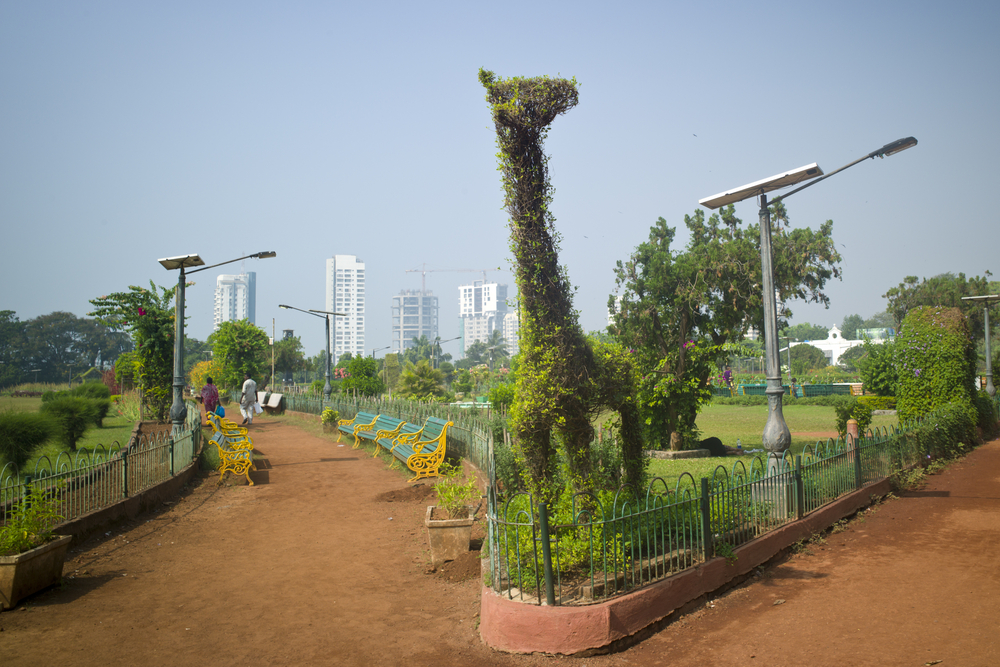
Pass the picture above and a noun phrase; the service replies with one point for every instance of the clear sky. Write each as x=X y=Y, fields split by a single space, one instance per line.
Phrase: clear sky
x=131 y=131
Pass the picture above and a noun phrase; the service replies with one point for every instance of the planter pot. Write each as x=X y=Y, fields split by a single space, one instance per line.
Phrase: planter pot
x=329 y=428
x=449 y=538
x=31 y=571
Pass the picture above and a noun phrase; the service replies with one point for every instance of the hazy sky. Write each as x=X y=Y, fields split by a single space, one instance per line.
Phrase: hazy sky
x=133 y=131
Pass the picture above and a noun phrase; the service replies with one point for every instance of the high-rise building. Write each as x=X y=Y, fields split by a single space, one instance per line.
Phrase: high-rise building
x=345 y=293
x=235 y=298
x=414 y=314
x=511 y=331
x=482 y=307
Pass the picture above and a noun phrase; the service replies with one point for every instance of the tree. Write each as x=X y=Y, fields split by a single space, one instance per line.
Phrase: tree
x=850 y=326
x=11 y=334
x=496 y=349
x=421 y=382
x=805 y=331
x=883 y=320
x=391 y=371
x=878 y=368
x=683 y=312
x=288 y=357
x=195 y=351
x=362 y=377
x=149 y=318
x=805 y=357
x=849 y=359
x=239 y=347
x=945 y=290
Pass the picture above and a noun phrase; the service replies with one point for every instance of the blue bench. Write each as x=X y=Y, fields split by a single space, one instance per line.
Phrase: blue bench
x=384 y=427
x=388 y=442
x=352 y=426
x=423 y=452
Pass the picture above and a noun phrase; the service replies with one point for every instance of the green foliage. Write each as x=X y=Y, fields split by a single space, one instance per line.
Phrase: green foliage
x=73 y=414
x=987 y=417
x=849 y=327
x=945 y=432
x=678 y=310
x=11 y=342
x=943 y=290
x=455 y=493
x=31 y=522
x=805 y=358
x=420 y=382
x=363 y=377
x=935 y=360
x=97 y=390
x=129 y=406
x=21 y=432
x=149 y=319
x=879 y=402
x=849 y=407
x=878 y=368
x=502 y=396
x=239 y=348
x=288 y=356
x=330 y=416
x=805 y=331
x=849 y=359
x=463 y=383
x=391 y=371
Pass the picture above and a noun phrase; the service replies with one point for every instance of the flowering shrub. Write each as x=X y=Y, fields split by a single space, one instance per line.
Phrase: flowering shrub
x=935 y=361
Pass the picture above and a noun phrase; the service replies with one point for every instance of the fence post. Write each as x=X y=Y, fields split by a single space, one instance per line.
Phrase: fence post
x=125 y=468
x=706 y=521
x=800 y=488
x=171 y=449
x=543 y=520
x=857 y=465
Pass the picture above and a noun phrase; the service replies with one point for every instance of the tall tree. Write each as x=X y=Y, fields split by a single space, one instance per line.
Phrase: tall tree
x=288 y=356
x=682 y=311
x=945 y=290
x=11 y=342
x=148 y=317
x=805 y=331
x=805 y=357
x=238 y=348
x=421 y=382
x=362 y=377
x=850 y=326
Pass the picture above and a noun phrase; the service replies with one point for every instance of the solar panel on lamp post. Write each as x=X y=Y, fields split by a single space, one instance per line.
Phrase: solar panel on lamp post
x=178 y=411
x=776 y=437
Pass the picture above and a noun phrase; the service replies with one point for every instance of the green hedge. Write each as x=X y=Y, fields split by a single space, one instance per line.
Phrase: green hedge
x=879 y=402
x=827 y=401
x=22 y=432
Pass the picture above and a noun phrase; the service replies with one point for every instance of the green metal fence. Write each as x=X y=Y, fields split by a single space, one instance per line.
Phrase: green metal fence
x=87 y=481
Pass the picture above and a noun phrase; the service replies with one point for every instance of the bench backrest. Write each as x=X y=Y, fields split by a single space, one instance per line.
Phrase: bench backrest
x=384 y=423
x=275 y=401
x=433 y=428
x=363 y=418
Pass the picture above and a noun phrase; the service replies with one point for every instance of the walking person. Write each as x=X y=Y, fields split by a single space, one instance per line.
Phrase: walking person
x=248 y=399
x=210 y=396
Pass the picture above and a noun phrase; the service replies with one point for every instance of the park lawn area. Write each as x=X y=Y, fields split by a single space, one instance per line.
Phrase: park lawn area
x=32 y=404
x=746 y=423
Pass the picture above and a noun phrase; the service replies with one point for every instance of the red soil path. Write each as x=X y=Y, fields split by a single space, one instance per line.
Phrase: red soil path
x=314 y=565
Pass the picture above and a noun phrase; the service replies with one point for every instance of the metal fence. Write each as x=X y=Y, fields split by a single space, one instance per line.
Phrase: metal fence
x=593 y=546
x=85 y=481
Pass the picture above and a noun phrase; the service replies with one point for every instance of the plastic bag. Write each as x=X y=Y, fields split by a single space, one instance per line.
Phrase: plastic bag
x=257 y=409
x=220 y=411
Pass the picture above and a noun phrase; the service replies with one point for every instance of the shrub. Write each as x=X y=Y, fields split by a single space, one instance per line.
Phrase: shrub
x=502 y=396
x=935 y=361
x=330 y=416
x=96 y=390
x=987 y=415
x=73 y=414
x=31 y=522
x=878 y=368
x=22 y=432
x=849 y=407
x=879 y=402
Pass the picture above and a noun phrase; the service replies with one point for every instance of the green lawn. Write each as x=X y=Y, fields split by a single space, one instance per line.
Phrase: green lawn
x=746 y=423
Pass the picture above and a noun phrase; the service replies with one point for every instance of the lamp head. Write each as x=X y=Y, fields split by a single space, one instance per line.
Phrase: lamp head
x=265 y=255
x=895 y=147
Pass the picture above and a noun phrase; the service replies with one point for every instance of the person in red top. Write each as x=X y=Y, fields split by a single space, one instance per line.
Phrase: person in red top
x=210 y=396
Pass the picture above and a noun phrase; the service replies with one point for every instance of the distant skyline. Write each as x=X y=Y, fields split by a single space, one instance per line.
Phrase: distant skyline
x=134 y=131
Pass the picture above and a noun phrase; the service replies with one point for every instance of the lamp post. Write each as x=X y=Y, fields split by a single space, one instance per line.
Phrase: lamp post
x=437 y=347
x=776 y=436
x=379 y=349
x=178 y=411
x=987 y=300
x=327 y=388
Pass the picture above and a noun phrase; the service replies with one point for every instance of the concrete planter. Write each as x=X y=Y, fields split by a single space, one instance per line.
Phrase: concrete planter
x=31 y=571
x=330 y=428
x=449 y=538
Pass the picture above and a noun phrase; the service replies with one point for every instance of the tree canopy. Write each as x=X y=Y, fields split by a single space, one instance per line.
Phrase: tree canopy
x=681 y=311
x=238 y=348
x=943 y=290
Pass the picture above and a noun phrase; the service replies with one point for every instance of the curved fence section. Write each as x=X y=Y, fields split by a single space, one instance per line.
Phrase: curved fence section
x=86 y=481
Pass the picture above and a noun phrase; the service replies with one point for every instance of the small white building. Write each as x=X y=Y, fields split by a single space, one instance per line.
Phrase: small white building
x=835 y=343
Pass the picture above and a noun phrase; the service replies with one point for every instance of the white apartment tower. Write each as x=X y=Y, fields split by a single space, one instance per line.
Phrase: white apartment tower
x=235 y=298
x=414 y=314
x=345 y=293
x=482 y=307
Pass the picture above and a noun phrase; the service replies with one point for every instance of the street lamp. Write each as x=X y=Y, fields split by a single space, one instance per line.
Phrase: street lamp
x=437 y=347
x=178 y=411
x=379 y=349
x=327 y=388
x=776 y=436
x=987 y=300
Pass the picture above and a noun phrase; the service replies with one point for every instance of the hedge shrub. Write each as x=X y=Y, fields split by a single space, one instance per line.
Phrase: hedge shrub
x=879 y=402
x=73 y=414
x=849 y=407
x=935 y=362
x=22 y=432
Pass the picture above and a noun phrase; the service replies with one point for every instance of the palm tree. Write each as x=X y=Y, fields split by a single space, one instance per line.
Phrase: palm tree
x=497 y=347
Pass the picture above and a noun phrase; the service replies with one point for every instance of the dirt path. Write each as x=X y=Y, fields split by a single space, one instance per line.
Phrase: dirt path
x=313 y=566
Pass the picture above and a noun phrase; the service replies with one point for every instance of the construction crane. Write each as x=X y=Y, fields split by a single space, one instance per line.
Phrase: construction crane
x=424 y=271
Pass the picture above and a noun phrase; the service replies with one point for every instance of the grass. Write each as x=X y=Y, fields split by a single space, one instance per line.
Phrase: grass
x=746 y=423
